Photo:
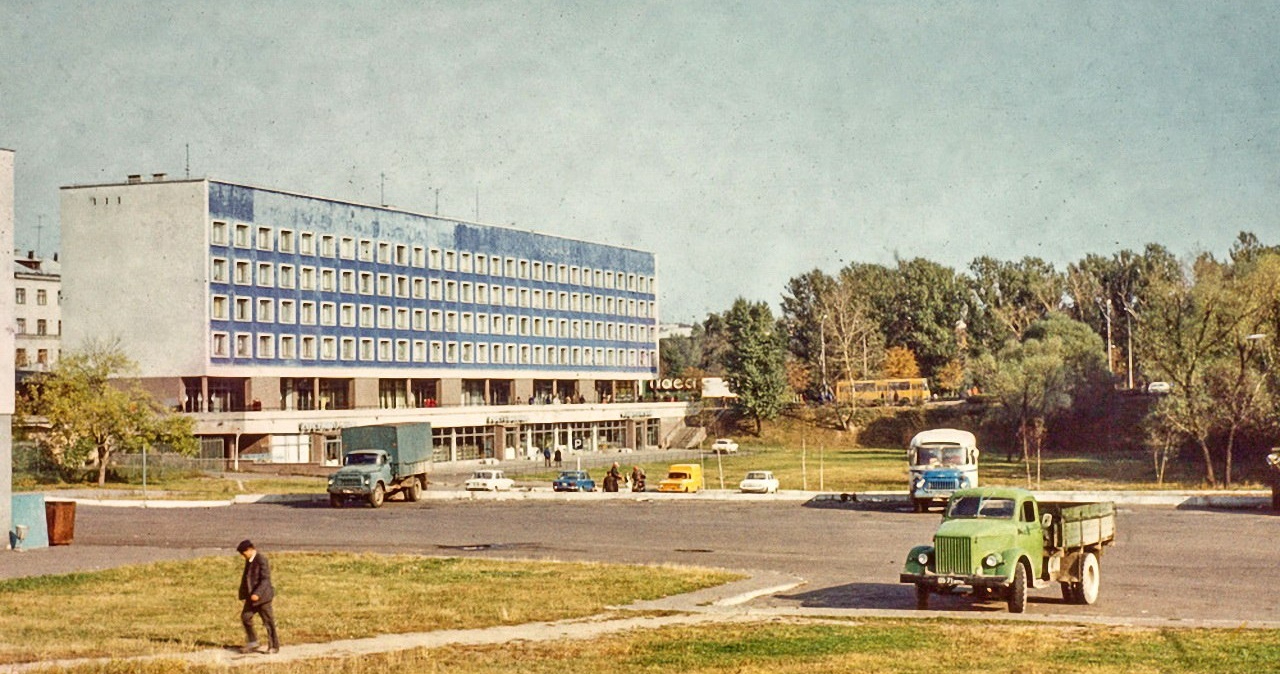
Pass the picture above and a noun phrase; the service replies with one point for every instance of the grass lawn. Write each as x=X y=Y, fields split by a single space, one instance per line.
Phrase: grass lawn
x=188 y=605
x=800 y=646
x=849 y=469
x=195 y=487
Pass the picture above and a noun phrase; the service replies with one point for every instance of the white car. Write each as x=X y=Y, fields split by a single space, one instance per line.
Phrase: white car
x=489 y=480
x=1159 y=388
x=724 y=446
x=759 y=482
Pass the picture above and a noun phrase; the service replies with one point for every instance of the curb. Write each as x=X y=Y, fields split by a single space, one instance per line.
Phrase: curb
x=1184 y=499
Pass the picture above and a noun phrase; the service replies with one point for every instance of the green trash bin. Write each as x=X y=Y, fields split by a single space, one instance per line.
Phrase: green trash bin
x=61 y=517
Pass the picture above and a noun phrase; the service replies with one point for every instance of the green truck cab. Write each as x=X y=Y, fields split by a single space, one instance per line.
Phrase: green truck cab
x=1001 y=542
x=378 y=461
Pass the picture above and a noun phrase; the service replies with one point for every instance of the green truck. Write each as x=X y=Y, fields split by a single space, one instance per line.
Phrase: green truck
x=1001 y=542
x=378 y=461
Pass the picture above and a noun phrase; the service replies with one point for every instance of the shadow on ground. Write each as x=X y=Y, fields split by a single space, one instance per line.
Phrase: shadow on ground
x=898 y=596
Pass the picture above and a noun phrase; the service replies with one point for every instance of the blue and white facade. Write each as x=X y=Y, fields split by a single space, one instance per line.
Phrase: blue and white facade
x=277 y=318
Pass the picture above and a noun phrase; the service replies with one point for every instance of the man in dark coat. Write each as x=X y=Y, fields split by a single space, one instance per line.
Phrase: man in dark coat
x=256 y=592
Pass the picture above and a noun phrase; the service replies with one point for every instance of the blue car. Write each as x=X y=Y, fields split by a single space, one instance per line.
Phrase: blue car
x=574 y=480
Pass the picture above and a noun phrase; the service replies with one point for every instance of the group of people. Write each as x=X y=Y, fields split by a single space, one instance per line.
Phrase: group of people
x=614 y=478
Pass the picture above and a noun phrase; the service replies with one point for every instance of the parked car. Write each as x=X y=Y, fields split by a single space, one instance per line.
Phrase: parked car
x=724 y=446
x=760 y=482
x=573 y=480
x=1159 y=388
x=489 y=480
x=683 y=477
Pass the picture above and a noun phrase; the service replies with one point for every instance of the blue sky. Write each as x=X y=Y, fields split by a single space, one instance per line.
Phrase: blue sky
x=743 y=143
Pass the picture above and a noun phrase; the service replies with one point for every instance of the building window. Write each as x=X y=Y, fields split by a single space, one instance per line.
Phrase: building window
x=366 y=283
x=42 y=327
x=307 y=278
x=466 y=293
x=347 y=315
x=468 y=352
x=402 y=318
x=348 y=281
x=286 y=244
x=435 y=289
x=384 y=317
x=327 y=245
x=384 y=350
x=419 y=288
x=482 y=264
x=467 y=325
x=450 y=291
x=384 y=252
x=20 y=358
x=451 y=321
x=433 y=259
x=419 y=351
x=419 y=257
x=328 y=348
x=218 y=233
x=20 y=295
x=450 y=261
x=287 y=344
x=266 y=311
x=366 y=250
x=482 y=293
x=264 y=238
x=242 y=235
x=328 y=313
x=243 y=273
x=219 y=345
x=384 y=285
x=402 y=350
x=288 y=311
x=402 y=255
x=436 y=321
x=266 y=274
x=307 y=243
x=437 y=352
x=287 y=279
x=347 y=248
x=308 y=347
x=244 y=346
x=243 y=309
x=348 y=348
x=451 y=352
x=366 y=316
x=366 y=348
x=221 y=308
x=402 y=286
x=419 y=319
x=327 y=280
x=307 y=313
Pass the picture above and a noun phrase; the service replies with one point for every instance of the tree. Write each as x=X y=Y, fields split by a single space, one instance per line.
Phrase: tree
x=851 y=334
x=1058 y=365
x=924 y=303
x=754 y=360
x=92 y=415
x=802 y=316
x=900 y=363
x=1015 y=294
x=950 y=377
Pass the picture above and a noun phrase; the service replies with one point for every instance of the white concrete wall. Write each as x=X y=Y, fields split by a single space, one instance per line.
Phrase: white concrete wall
x=135 y=266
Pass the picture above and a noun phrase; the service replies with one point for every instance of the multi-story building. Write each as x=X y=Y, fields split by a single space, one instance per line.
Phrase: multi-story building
x=279 y=318
x=37 y=313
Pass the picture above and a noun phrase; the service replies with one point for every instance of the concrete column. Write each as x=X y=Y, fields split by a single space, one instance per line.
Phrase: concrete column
x=631 y=434
x=6 y=347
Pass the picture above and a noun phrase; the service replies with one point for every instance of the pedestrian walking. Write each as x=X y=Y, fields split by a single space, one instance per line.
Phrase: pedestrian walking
x=546 y=456
x=257 y=593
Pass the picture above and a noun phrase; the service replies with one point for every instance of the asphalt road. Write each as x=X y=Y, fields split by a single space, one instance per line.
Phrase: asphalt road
x=1167 y=563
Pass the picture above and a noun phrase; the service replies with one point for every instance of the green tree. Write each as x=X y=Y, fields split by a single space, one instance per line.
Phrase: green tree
x=921 y=311
x=1013 y=295
x=1029 y=381
x=92 y=414
x=754 y=361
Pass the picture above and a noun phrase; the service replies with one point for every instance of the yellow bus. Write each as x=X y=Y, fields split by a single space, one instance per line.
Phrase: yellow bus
x=883 y=391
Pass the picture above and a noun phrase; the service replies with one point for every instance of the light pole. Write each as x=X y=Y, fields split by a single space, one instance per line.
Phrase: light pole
x=1128 y=333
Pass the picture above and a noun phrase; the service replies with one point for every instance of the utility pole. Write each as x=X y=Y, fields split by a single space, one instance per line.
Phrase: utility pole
x=1105 y=307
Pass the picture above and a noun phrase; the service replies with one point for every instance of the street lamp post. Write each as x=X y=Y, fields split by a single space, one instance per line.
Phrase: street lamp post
x=1128 y=332
x=1106 y=315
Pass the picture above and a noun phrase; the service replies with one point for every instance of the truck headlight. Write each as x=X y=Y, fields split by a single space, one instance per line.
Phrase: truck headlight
x=991 y=561
x=923 y=559
x=366 y=479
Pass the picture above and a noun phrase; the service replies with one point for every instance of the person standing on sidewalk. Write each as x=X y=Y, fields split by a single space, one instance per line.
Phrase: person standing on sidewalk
x=257 y=593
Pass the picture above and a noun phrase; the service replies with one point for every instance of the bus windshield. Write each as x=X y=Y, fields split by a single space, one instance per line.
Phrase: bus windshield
x=939 y=455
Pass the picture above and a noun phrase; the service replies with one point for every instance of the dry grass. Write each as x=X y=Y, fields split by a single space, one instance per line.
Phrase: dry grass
x=798 y=646
x=182 y=606
x=194 y=488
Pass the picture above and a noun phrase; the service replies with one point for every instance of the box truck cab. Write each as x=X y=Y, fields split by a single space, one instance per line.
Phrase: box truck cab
x=682 y=477
x=941 y=461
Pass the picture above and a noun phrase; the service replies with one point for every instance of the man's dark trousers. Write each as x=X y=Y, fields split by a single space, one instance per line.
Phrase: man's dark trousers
x=268 y=619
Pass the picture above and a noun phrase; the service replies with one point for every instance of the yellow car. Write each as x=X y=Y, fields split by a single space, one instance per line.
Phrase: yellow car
x=682 y=477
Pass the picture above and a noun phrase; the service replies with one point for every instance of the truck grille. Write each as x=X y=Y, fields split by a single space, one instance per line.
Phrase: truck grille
x=952 y=556
x=348 y=481
x=942 y=482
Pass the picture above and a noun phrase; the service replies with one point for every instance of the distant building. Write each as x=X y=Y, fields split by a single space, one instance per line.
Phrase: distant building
x=37 y=313
x=675 y=330
x=278 y=318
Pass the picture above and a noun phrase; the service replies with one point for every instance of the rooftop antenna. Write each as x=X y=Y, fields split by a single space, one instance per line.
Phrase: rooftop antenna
x=477 y=202
x=383 y=198
x=437 y=201
x=39 y=231
x=188 y=161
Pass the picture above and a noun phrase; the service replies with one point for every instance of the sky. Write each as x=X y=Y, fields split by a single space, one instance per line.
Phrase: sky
x=744 y=143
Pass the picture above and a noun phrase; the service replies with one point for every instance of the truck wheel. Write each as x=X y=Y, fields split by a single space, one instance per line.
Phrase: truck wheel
x=336 y=501
x=1018 y=591
x=413 y=490
x=922 y=596
x=377 y=496
x=1090 y=579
